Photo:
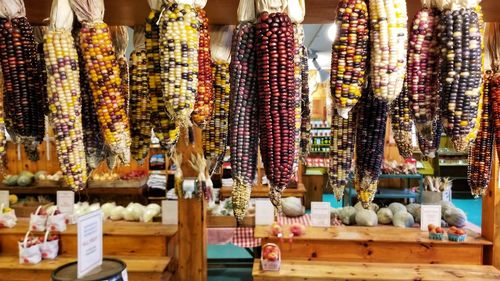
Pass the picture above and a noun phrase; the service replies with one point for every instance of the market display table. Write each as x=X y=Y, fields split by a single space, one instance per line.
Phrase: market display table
x=244 y=236
x=377 y=244
x=322 y=271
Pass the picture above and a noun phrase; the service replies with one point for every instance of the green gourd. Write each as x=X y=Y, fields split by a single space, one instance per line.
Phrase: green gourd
x=366 y=218
x=384 y=216
x=455 y=217
x=397 y=207
x=403 y=219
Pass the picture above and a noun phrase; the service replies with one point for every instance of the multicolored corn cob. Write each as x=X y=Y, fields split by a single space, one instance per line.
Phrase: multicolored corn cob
x=119 y=36
x=402 y=124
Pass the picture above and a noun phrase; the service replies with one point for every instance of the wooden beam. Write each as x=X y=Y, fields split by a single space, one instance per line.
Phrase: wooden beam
x=133 y=12
x=491 y=217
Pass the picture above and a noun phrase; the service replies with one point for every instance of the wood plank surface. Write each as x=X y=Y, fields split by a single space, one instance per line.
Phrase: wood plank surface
x=117 y=228
x=143 y=268
x=376 y=234
x=229 y=221
x=331 y=271
x=380 y=252
x=263 y=191
x=132 y=12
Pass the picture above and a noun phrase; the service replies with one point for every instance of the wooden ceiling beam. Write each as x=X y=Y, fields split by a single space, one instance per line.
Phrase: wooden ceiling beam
x=133 y=12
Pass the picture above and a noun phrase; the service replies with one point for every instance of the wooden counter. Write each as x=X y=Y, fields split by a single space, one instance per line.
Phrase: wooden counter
x=377 y=244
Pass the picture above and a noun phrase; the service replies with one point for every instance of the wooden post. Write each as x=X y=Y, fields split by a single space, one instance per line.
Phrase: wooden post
x=491 y=217
x=193 y=240
x=192 y=233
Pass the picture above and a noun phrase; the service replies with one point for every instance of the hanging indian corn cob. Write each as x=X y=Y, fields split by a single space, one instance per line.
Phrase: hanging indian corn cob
x=460 y=41
x=388 y=36
x=402 y=124
x=103 y=71
x=119 y=37
x=38 y=33
x=492 y=43
x=341 y=151
x=296 y=12
x=140 y=103
x=370 y=136
x=244 y=122
x=164 y=127
x=428 y=147
x=92 y=137
x=349 y=54
x=481 y=151
x=215 y=134
x=305 y=118
x=276 y=87
x=423 y=70
x=65 y=109
x=3 y=132
x=204 y=105
x=179 y=43
x=23 y=99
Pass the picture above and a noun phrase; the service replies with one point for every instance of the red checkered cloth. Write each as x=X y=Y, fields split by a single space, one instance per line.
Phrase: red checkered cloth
x=243 y=236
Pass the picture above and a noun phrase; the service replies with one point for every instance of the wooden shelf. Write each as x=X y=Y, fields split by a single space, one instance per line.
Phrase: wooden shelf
x=263 y=191
x=133 y=12
x=321 y=271
x=140 y=190
x=377 y=244
x=229 y=221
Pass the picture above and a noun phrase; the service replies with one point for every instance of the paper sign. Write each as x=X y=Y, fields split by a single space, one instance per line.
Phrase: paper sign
x=169 y=212
x=264 y=212
x=65 y=202
x=320 y=214
x=430 y=214
x=4 y=198
x=89 y=232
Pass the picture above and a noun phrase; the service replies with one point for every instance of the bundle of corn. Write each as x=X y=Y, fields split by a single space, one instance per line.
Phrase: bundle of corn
x=422 y=75
x=23 y=100
x=388 y=37
x=102 y=69
x=370 y=136
x=38 y=33
x=179 y=43
x=481 y=151
x=459 y=34
x=244 y=122
x=65 y=109
x=204 y=105
x=349 y=54
x=3 y=135
x=305 y=116
x=402 y=124
x=215 y=134
x=276 y=87
x=140 y=103
x=119 y=37
x=164 y=127
x=428 y=147
x=341 y=151
x=92 y=136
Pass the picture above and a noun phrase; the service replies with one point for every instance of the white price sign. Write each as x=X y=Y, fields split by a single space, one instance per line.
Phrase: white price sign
x=89 y=233
x=320 y=214
x=65 y=202
x=169 y=212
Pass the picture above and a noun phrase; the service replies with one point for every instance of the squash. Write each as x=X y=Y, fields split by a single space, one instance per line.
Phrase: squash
x=403 y=219
x=445 y=205
x=397 y=207
x=348 y=215
x=40 y=175
x=10 y=180
x=384 y=216
x=414 y=210
x=366 y=218
x=24 y=180
x=455 y=217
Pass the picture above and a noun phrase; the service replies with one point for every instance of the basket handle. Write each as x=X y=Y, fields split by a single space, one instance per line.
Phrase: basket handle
x=53 y=211
x=46 y=236
x=38 y=209
x=1 y=208
x=26 y=238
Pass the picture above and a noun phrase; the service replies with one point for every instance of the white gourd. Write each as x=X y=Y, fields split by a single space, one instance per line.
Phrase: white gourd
x=347 y=215
x=414 y=210
x=384 y=216
x=366 y=218
x=403 y=219
x=455 y=217
x=292 y=207
x=397 y=207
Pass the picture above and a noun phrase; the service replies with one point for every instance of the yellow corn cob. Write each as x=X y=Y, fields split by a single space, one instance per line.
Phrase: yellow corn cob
x=215 y=134
x=64 y=98
x=179 y=43
x=164 y=127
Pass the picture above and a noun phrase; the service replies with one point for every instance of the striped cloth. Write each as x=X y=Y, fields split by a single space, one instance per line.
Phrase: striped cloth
x=243 y=236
